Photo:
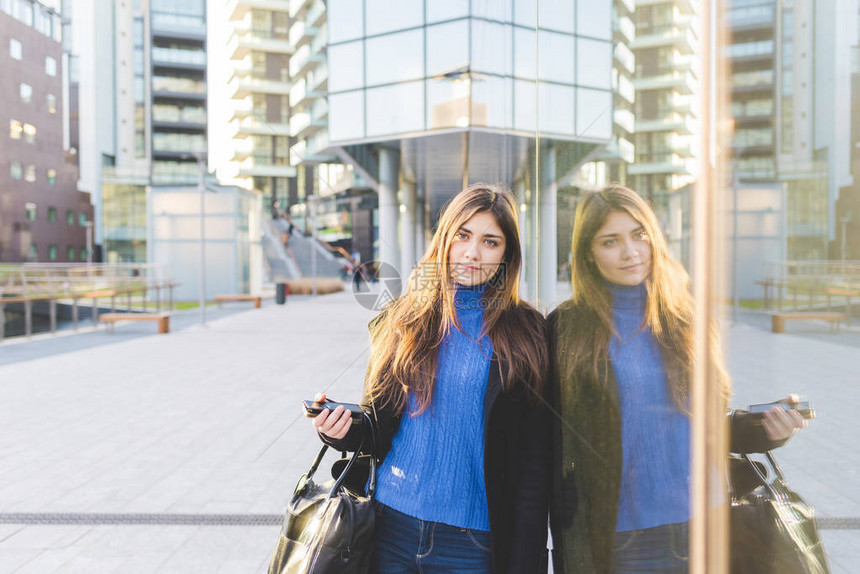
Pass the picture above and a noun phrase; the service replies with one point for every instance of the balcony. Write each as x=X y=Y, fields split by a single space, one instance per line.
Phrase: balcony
x=303 y=61
x=618 y=148
x=672 y=164
x=244 y=87
x=679 y=123
x=173 y=58
x=178 y=26
x=680 y=81
x=625 y=57
x=625 y=30
x=296 y=6
x=252 y=126
x=260 y=167
x=318 y=79
x=301 y=34
x=301 y=97
x=677 y=35
x=313 y=150
x=624 y=119
x=305 y=124
x=316 y=14
x=241 y=45
x=239 y=8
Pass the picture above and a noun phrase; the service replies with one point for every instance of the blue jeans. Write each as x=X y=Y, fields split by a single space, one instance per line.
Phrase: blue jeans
x=659 y=549
x=403 y=544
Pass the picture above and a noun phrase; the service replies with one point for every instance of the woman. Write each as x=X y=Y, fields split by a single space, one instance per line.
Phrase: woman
x=621 y=352
x=455 y=382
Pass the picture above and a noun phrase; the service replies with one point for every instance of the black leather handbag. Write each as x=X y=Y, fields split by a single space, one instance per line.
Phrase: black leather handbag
x=773 y=530
x=328 y=528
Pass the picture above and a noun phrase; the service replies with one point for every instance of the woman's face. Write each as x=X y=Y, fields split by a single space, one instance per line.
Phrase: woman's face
x=477 y=250
x=621 y=250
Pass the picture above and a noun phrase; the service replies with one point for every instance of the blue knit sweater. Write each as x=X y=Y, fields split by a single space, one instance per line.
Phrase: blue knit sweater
x=655 y=481
x=435 y=468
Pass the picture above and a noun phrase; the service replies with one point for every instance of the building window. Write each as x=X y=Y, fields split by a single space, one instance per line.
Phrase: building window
x=15 y=49
x=52 y=214
x=34 y=252
x=26 y=93
x=82 y=219
x=30 y=173
x=70 y=217
x=50 y=66
x=52 y=104
x=30 y=211
x=52 y=179
x=15 y=170
x=83 y=255
x=70 y=252
x=15 y=129
x=52 y=252
x=29 y=133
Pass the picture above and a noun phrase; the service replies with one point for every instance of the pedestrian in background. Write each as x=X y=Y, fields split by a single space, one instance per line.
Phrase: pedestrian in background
x=621 y=355
x=455 y=383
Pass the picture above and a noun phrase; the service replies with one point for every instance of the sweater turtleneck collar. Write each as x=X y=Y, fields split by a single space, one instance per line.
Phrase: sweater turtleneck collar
x=468 y=296
x=628 y=296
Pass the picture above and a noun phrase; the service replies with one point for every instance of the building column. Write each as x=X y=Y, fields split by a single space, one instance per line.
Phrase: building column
x=532 y=240
x=407 y=228
x=389 y=207
x=420 y=217
x=522 y=220
x=548 y=240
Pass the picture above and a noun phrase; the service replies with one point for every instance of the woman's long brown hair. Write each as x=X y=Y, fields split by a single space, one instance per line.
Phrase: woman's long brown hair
x=407 y=335
x=669 y=305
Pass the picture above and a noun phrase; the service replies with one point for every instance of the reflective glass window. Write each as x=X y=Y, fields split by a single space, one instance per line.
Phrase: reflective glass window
x=52 y=103
x=346 y=115
x=346 y=66
x=447 y=103
x=52 y=252
x=524 y=13
x=50 y=66
x=491 y=47
x=594 y=18
x=70 y=217
x=556 y=55
x=492 y=9
x=30 y=173
x=16 y=128
x=524 y=53
x=345 y=20
x=52 y=178
x=558 y=14
x=26 y=92
x=525 y=99
x=70 y=252
x=446 y=10
x=15 y=170
x=593 y=113
x=391 y=15
x=30 y=211
x=556 y=109
x=447 y=47
x=593 y=63
x=395 y=109
x=395 y=57
x=52 y=214
x=492 y=102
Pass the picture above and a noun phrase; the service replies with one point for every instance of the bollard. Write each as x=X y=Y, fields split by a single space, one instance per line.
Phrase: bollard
x=281 y=293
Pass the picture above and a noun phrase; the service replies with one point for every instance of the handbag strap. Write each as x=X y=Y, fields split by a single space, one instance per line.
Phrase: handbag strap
x=767 y=484
x=371 y=488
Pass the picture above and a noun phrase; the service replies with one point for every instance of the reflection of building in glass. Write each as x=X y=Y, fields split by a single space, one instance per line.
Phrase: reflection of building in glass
x=256 y=101
x=42 y=214
x=422 y=101
x=791 y=100
x=139 y=72
x=666 y=83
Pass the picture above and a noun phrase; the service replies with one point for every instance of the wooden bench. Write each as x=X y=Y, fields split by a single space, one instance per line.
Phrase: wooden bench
x=778 y=319
x=257 y=299
x=162 y=318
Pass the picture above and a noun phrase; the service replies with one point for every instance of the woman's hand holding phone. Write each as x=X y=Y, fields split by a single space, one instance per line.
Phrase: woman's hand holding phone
x=333 y=424
x=780 y=423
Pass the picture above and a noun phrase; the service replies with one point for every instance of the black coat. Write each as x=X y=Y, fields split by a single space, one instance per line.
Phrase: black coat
x=517 y=447
x=587 y=457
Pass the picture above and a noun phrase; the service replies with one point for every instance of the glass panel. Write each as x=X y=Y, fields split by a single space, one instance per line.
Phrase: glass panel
x=447 y=103
x=395 y=57
x=395 y=109
x=557 y=14
x=346 y=66
x=492 y=103
x=492 y=9
x=594 y=19
x=557 y=56
x=593 y=114
x=447 y=47
x=593 y=63
x=345 y=20
x=491 y=47
x=446 y=10
x=346 y=116
x=391 y=15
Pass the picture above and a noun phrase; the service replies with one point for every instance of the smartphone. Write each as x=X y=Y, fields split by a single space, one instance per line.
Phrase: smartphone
x=803 y=407
x=313 y=408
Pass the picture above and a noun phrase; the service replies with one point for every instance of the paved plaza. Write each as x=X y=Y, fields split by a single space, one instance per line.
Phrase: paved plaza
x=136 y=452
